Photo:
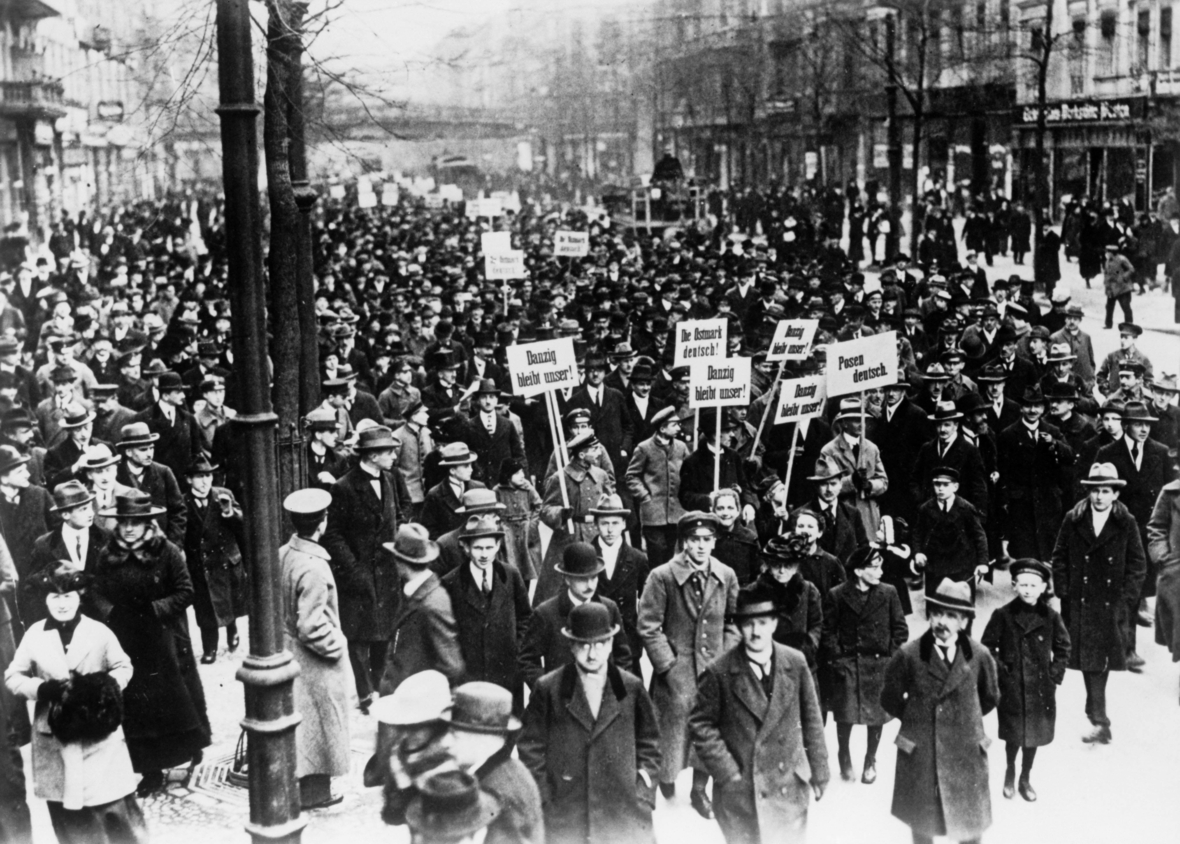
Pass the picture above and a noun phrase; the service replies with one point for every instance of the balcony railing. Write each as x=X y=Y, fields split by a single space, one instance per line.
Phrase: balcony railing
x=41 y=98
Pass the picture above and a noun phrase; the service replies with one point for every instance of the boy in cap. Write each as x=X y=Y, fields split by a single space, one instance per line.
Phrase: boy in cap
x=940 y=686
x=1127 y=352
x=591 y=740
x=684 y=621
x=949 y=540
x=212 y=547
x=767 y=759
x=324 y=465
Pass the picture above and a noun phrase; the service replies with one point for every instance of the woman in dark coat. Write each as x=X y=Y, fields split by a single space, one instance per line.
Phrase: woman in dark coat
x=1091 y=249
x=800 y=612
x=1031 y=646
x=862 y=629
x=143 y=588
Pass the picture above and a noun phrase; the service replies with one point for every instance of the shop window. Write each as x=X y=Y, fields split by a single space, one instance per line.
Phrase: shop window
x=1165 y=57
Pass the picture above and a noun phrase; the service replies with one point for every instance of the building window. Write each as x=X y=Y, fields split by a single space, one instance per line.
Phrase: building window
x=1077 y=58
x=1165 y=57
x=1143 y=43
x=1108 y=24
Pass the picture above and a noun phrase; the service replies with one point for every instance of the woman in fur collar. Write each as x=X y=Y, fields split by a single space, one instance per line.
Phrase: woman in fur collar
x=74 y=668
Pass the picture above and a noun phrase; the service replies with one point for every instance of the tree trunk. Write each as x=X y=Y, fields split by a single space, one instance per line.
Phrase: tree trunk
x=282 y=260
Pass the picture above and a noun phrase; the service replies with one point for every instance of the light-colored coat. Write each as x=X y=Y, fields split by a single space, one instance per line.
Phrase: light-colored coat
x=324 y=688
x=85 y=773
x=653 y=478
x=1163 y=545
x=680 y=644
x=839 y=451
x=775 y=744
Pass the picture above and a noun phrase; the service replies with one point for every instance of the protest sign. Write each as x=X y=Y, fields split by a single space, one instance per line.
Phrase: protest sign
x=433 y=200
x=719 y=383
x=699 y=340
x=864 y=364
x=336 y=191
x=792 y=339
x=536 y=368
x=495 y=242
x=800 y=398
x=486 y=207
x=451 y=193
x=503 y=265
x=368 y=199
x=389 y=195
x=571 y=244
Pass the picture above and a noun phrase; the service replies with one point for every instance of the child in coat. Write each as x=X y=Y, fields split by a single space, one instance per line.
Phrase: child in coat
x=863 y=627
x=1031 y=646
x=75 y=670
x=522 y=503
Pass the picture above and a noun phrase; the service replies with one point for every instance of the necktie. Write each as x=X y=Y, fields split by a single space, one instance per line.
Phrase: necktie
x=856 y=454
x=78 y=550
x=945 y=656
x=1135 y=454
x=487 y=581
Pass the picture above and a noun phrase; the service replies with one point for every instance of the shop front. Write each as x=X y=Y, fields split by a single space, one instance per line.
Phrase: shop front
x=1098 y=149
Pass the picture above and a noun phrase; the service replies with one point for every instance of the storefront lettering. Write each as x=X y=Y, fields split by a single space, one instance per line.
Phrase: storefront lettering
x=1084 y=112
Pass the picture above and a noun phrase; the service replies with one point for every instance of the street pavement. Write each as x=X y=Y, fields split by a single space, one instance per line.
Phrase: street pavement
x=1124 y=791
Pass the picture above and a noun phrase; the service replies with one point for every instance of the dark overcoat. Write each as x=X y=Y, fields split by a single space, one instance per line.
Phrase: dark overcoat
x=587 y=768
x=611 y=423
x=423 y=635
x=438 y=514
x=1163 y=545
x=359 y=524
x=843 y=535
x=1034 y=479
x=1097 y=579
x=954 y=543
x=941 y=785
x=493 y=449
x=22 y=523
x=180 y=441
x=624 y=587
x=143 y=595
x=861 y=631
x=1031 y=648
x=963 y=457
x=799 y=608
x=213 y=551
x=899 y=440
x=507 y=779
x=490 y=629
x=776 y=744
x=738 y=549
x=545 y=649
x=1143 y=487
x=681 y=639
x=48 y=550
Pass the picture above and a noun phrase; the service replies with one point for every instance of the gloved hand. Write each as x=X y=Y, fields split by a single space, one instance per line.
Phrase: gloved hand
x=567 y=513
x=860 y=480
x=52 y=690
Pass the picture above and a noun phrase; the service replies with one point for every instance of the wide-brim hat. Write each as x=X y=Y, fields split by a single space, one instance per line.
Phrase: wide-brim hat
x=376 y=438
x=1032 y=395
x=450 y=806
x=68 y=495
x=76 y=417
x=487 y=387
x=10 y=458
x=456 y=454
x=935 y=372
x=952 y=595
x=993 y=374
x=480 y=500
x=945 y=411
x=589 y=622
x=826 y=469
x=412 y=545
x=579 y=559
x=610 y=505
x=1167 y=383
x=1137 y=411
x=481 y=526
x=1060 y=353
x=135 y=434
x=99 y=456
x=1103 y=474
x=483 y=707
x=623 y=351
x=132 y=504
x=754 y=601
x=200 y=466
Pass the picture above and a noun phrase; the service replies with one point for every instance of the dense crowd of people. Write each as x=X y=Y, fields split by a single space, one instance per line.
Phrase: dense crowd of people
x=484 y=589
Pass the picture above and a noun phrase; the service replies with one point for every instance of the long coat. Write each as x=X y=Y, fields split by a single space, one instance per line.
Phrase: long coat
x=1163 y=546
x=545 y=649
x=1031 y=648
x=213 y=552
x=180 y=441
x=423 y=635
x=144 y=594
x=681 y=640
x=776 y=744
x=366 y=576
x=411 y=458
x=520 y=820
x=611 y=423
x=841 y=535
x=22 y=523
x=438 y=514
x=899 y=440
x=1098 y=580
x=961 y=456
x=86 y=773
x=490 y=630
x=696 y=478
x=1142 y=489
x=941 y=786
x=653 y=479
x=584 y=486
x=799 y=609
x=861 y=632
x=1034 y=479
x=324 y=689
x=587 y=768
x=624 y=586
x=840 y=452
x=953 y=542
